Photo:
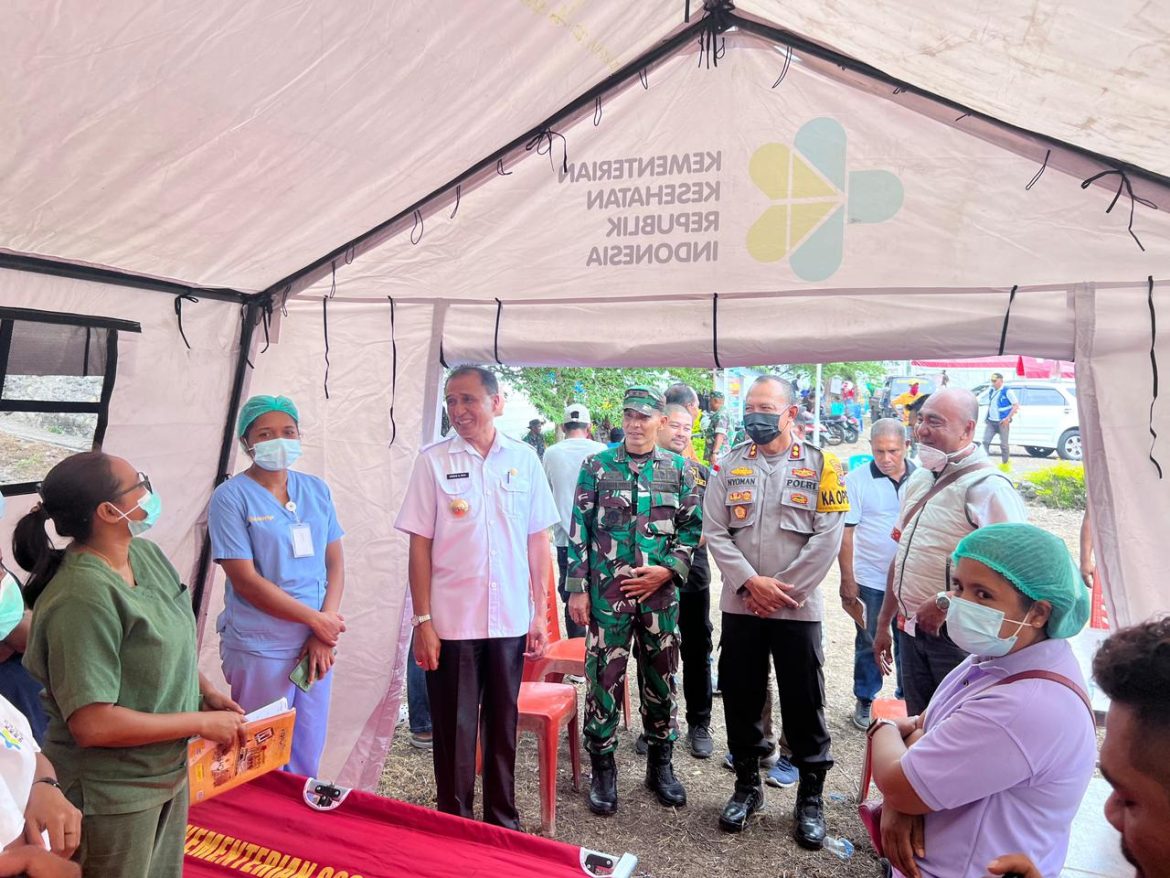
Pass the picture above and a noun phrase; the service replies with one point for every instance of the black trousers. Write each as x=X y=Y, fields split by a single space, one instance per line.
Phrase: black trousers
x=572 y=629
x=747 y=644
x=473 y=694
x=926 y=660
x=694 y=630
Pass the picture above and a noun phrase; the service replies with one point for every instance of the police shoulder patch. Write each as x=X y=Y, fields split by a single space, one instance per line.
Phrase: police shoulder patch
x=831 y=494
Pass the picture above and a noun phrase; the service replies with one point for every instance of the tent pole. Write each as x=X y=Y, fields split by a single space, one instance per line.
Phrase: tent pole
x=252 y=312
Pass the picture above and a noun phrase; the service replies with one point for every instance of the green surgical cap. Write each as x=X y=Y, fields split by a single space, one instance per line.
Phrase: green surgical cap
x=1038 y=564
x=262 y=405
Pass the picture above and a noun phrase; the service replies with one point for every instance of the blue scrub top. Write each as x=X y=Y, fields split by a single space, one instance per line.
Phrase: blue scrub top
x=247 y=522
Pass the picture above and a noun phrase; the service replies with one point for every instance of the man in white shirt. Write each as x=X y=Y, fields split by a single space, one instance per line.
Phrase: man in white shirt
x=955 y=490
x=562 y=465
x=478 y=510
x=867 y=549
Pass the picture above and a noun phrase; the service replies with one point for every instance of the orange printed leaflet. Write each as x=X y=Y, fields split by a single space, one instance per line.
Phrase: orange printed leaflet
x=216 y=768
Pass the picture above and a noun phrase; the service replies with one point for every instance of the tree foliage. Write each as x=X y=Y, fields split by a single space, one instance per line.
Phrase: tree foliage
x=601 y=390
x=858 y=372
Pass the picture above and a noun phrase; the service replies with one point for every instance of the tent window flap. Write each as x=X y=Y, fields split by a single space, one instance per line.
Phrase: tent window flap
x=56 y=380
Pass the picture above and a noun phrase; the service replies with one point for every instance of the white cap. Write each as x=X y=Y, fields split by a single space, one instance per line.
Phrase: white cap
x=576 y=414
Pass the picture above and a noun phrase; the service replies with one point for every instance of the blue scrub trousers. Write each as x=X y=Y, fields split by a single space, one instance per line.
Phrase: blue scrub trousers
x=257 y=680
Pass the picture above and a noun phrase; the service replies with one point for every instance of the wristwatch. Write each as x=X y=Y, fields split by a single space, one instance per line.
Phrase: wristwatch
x=877 y=724
x=415 y=621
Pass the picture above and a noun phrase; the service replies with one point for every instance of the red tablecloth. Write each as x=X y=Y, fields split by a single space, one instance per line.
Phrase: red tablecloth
x=265 y=829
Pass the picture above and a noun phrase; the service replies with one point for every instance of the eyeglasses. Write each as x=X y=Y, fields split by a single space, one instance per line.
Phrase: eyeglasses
x=143 y=482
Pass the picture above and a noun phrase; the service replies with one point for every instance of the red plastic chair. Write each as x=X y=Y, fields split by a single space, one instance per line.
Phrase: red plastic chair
x=563 y=655
x=546 y=709
x=888 y=708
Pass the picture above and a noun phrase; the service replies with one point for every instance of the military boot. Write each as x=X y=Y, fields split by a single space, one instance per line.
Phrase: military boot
x=809 y=814
x=748 y=797
x=603 y=790
x=660 y=778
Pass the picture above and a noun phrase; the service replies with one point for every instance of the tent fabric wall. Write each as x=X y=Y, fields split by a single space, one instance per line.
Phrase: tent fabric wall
x=347 y=442
x=169 y=403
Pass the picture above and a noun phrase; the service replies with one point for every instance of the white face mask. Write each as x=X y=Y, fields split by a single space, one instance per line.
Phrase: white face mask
x=975 y=627
x=936 y=461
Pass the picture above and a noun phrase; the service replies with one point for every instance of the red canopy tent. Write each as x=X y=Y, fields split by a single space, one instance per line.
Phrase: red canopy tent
x=1023 y=367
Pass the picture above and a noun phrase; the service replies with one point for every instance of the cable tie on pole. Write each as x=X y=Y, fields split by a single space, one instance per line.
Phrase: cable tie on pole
x=597 y=111
x=458 y=195
x=643 y=78
x=1040 y=172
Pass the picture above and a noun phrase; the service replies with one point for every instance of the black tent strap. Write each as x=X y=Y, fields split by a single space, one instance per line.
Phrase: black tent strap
x=1007 y=315
x=419 y=227
x=85 y=355
x=325 y=329
x=597 y=112
x=393 y=373
x=458 y=195
x=1154 y=370
x=442 y=356
x=715 y=329
x=496 y=338
x=179 y=299
x=1040 y=172
x=1126 y=186
x=784 y=69
x=266 y=320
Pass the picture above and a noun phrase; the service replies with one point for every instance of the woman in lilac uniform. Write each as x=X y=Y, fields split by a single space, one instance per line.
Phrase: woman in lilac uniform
x=994 y=764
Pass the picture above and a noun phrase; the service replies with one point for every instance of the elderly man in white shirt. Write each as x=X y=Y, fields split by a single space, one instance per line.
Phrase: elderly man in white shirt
x=562 y=466
x=478 y=510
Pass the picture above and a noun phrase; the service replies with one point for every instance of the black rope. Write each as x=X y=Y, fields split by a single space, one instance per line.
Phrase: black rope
x=393 y=373
x=597 y=112
x=1154 y=370
x=1127 y=187
x=1040 y=172
x=458 y=195
x=350 y=252
x=245 y=314
x=419 y=226
x=442 y=357
x=542 y=142
x=715 y=330
x=333 y=282
x=784 y=69
x=1007 y=315
x=325 y=327
x=500 y=169
x=643 y=78
x=179 y=299
x=716 y=20
x=496 y=340
x=85 y=361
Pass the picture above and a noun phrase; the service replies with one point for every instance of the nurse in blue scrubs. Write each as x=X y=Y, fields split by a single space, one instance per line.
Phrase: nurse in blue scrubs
x=275 y=533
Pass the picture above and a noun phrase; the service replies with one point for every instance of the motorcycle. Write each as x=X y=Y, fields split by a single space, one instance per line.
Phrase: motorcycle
x=841 y=428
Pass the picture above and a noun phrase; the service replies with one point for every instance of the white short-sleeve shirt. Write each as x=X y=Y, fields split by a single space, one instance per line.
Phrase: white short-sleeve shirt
x=479 y=512
x=874 y=501
x=18 y=766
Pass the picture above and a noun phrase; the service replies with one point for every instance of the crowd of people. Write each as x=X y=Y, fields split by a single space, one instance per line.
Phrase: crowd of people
x=948 y=585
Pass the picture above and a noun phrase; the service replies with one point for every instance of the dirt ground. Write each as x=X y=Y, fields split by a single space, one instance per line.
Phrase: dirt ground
x=687 y=842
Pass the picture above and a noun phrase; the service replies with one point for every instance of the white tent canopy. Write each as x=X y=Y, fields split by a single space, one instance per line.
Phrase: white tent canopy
x=355 y=193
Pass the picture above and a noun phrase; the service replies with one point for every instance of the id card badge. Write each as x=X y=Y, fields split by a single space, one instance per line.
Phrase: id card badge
x=302 y=540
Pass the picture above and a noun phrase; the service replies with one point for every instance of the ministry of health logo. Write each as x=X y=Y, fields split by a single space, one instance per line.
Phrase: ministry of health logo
x=814 y=195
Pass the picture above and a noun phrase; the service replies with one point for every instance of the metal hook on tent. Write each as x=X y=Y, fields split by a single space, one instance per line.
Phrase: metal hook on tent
x=419 y=227
x=1006 y=318
x=715 y=330
x=1128 y=188
x=458 y=195
x=393 y=374
x=1154 y=369
x=784 y=69
x=179 y=299
x=542 y=142
x=1040 y=172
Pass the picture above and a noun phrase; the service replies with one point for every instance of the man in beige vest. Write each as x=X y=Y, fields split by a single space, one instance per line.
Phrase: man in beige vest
x=955 y=490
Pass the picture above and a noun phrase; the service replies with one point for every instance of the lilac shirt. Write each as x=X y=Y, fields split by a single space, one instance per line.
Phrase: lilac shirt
x=479 y=513
x=1002 y=769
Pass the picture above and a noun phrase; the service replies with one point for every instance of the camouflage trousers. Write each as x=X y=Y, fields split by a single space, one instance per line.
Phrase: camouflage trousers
x=607 y=651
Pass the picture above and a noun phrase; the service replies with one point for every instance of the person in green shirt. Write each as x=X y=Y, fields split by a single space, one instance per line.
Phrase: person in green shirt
x=113 y=643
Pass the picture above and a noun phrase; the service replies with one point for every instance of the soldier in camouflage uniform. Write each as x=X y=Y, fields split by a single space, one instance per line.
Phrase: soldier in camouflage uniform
x=636 y=522
x=718 y=430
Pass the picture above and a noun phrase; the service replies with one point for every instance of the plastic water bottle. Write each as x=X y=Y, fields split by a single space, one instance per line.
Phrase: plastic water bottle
x=840 y=846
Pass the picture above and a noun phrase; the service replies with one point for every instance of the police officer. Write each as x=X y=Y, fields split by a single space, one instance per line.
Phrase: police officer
x=636 y=522
x=773 y=521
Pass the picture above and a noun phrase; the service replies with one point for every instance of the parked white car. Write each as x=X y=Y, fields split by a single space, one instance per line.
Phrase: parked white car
x=1047 y=420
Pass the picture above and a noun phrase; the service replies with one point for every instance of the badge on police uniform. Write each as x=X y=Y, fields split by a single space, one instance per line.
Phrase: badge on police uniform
x=739 y=512
x=460 y=507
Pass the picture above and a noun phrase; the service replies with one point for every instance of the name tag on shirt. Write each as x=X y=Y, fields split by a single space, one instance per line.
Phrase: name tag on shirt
x=302 y=540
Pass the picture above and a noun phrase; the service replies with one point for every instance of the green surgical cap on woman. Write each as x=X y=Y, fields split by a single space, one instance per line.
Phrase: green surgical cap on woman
x=1038 y=564
x=262 y=405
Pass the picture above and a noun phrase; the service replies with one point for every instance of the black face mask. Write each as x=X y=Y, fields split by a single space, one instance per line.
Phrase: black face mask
x=762 y=427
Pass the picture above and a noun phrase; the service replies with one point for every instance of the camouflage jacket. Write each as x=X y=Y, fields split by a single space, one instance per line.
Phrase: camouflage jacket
x=718 y=422
x=625 y=517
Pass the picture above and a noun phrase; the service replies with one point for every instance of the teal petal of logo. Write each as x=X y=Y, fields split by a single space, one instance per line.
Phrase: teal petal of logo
x=874 y=196
x=822 y=142
x=820 y=254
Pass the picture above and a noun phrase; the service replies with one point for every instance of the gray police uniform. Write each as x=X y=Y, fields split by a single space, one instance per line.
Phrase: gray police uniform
x=781 y=517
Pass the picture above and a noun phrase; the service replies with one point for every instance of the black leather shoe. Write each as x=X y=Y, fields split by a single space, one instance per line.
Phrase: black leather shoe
x=747 y=799
x=809 y=815
x=603 y=789
x=660 y=778
x=699 y=739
